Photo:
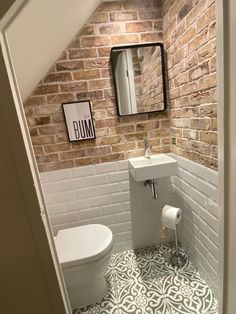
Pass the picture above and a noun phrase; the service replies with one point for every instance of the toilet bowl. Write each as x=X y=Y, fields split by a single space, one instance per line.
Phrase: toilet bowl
x=84 y=253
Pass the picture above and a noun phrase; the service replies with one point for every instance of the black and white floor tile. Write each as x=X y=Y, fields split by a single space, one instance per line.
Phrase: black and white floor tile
x=144 y=282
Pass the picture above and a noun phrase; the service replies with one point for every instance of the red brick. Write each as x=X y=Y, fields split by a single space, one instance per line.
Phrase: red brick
x=109 y=29
x=58 y=77
x=51 y=166
x=87 y=30
x=124 y=39
x=70 y=65
x=138 y=27
x=104 y=51
x=41 y=140
x=95 y=41
x=92 y=95
x=87 y=161
x=57 y=147
x=98 y=63
x=123 y=16
x=60 y=98
x=99 y=84
x=199 y=71
x=111 y=6
x=74 y=87
x=83 y=53
x=113 y=157
x=151 y=37
x=46 y=89
x=86 y=75
x=150 y=15
x=100 y=17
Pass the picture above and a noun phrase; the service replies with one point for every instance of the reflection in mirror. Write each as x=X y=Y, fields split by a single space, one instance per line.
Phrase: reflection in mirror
x=138 y=73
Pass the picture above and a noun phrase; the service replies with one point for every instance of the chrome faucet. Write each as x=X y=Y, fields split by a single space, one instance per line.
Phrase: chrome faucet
x=147 y=149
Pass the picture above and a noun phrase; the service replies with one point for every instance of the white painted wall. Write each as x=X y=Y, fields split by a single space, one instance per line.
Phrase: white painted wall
x=39 y=34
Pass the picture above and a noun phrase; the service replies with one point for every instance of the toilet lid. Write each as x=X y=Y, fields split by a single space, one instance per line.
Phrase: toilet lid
x=82 y=244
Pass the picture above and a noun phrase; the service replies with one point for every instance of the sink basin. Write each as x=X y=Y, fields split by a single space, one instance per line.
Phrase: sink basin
x=157 y=166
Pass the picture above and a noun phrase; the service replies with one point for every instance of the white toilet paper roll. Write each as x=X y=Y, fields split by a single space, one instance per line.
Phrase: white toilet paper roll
x=171 y=216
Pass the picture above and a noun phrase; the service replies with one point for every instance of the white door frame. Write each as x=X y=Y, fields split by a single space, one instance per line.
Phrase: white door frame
x=221 y=143
x=14 y=10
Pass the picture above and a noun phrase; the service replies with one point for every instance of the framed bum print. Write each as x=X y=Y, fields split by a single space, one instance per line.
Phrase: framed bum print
x=79 y=120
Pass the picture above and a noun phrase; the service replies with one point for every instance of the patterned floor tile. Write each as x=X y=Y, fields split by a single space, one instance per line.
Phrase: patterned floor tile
x=141 y=297
x=108 y=305
x=187 y=293
x=144 y=282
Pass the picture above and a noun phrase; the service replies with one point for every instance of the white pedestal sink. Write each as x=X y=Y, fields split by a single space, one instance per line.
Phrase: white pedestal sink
x=157 y=166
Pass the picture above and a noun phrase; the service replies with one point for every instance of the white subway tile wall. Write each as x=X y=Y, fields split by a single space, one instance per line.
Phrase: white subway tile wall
x=101 y=194
x=91 y=194
x=195 y=191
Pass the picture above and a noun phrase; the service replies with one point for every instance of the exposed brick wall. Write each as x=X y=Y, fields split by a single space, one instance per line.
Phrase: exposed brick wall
x=190 y=42
x=83 y=72
x=151 y=79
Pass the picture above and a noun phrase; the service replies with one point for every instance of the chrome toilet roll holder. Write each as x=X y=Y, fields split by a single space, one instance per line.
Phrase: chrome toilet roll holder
x=178 y=258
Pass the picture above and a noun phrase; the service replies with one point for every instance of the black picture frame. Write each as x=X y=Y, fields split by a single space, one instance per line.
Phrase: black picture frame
x=164 y=78
x=79 y=120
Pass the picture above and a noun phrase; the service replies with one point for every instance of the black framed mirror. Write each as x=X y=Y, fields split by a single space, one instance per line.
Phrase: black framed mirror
x=139 y=78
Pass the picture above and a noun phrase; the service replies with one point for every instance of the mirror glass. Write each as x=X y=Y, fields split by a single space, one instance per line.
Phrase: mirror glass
x=138 y=73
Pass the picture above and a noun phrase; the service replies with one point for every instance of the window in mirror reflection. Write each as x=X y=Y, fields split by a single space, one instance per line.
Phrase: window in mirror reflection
x=138 y=73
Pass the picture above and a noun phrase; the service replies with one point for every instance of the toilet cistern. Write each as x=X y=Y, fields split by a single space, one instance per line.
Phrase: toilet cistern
x=147 y=149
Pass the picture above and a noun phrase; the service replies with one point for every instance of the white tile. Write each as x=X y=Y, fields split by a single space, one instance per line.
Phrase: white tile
x=56 y=209
x=99 y=201
x=212 y=207
x=83 y=171
x=64 y=218
x=106 y=167
x=124 y=186
x=77 y=205
x=126 y=206
x=122 y=217
x=118 y=176
x=121 y=227
x=43 y=176
x=87 y=192
x=213 y=236
x=96 y=180
x=59 y=175
x=90 y=213
x=56 y=228
x=211 y=176
x=213 y=262
x=60 y=197
x=123 y=164
x=112 y=209
x=52 y=187
x=120 y=197
x=73 y=184
x=109 y=188
x=212 y=221
x=104 y=220
x=124 y=236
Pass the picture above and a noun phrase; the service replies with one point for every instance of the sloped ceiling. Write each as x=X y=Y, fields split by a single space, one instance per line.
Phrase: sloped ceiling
x=40 y=32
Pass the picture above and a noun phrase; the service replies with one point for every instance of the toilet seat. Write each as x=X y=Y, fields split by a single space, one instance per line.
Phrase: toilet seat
x=82 y=244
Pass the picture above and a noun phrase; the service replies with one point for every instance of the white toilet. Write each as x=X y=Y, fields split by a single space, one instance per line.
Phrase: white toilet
x=84 y=253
